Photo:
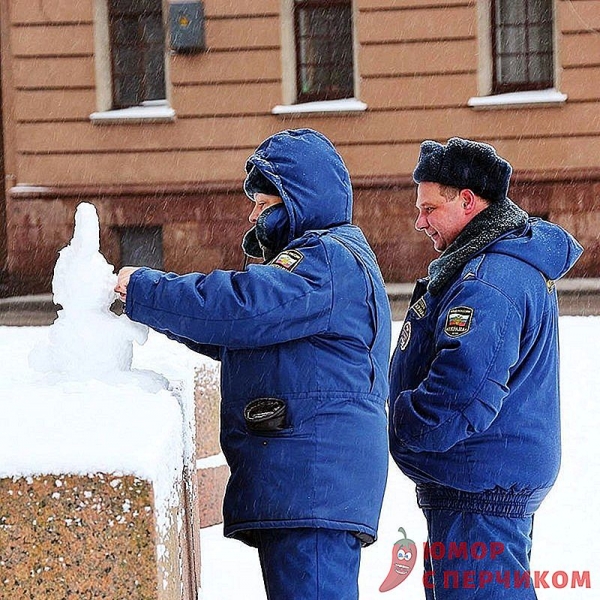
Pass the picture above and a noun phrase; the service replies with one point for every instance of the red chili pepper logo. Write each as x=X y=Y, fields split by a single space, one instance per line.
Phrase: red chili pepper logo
x=404 y=556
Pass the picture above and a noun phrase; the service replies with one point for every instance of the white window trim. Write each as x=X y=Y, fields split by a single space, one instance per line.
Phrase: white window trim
x=549 y=97
x=345 y=105
x=157 y=111
x=288 y=52
x=102 y=56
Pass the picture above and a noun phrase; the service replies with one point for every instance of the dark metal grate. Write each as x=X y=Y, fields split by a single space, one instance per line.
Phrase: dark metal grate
x=141 y=246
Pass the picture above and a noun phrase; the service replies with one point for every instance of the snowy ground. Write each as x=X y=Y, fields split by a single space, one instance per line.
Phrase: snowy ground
x=567 y=527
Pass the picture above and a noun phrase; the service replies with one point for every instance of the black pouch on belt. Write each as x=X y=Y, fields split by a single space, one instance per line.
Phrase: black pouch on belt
x=266 y=414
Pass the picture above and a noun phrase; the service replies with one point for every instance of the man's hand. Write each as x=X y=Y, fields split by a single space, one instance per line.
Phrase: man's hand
x=123 y=281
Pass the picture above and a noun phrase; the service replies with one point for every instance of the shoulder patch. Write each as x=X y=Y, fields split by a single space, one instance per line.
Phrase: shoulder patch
x=419 y=307
x=288 y=259
x=458 y=321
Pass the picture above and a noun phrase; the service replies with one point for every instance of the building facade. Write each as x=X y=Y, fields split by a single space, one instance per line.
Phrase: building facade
x=149 y=109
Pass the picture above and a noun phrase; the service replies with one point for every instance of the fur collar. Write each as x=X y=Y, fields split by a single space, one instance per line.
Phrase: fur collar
x=496 y=220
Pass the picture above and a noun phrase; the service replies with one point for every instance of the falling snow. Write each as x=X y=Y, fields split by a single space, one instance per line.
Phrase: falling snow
x=567 y=527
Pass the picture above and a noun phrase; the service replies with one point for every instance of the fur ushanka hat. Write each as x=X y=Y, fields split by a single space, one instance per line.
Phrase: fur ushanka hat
x=466 y=165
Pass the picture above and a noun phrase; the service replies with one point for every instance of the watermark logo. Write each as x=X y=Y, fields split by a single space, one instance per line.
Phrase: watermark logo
x=470 y=579
x=404 y=556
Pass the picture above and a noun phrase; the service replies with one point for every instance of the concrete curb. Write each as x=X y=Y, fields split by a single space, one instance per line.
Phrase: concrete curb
x=25 y=311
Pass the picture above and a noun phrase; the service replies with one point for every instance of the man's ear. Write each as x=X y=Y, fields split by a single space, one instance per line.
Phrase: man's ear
x=468 y=200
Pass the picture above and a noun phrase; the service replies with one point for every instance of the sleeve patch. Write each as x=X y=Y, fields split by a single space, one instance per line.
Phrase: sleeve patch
x=288 y=259
x=458 y=321
x=405 y=335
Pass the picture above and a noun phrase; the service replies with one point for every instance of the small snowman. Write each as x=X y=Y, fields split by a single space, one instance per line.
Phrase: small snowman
x=87 y=340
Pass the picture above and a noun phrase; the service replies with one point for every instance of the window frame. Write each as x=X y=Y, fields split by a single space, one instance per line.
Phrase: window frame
x=499 y=87
x=329 y=95
x=116 y=102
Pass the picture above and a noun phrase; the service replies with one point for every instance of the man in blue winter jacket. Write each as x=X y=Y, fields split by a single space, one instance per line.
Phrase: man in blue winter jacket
x=474 y=392
x=304 y=342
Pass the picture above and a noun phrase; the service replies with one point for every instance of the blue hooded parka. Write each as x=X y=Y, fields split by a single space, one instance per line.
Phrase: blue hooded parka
x=474 y=396
x=310 y=328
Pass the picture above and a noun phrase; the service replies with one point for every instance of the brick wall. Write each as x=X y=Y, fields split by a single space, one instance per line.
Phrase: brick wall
x=202 y=230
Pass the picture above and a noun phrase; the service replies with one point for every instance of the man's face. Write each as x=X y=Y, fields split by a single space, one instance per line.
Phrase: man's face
x=262 y=201
x=441 y=219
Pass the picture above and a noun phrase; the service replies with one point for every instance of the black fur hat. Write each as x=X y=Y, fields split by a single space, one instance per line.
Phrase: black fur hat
x=257 y=183
x=464 y=164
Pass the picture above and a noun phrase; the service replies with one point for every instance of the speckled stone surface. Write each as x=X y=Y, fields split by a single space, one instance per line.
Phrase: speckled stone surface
x=73 y=537
x=212 y=479
x=208 y=402
x=211 y=490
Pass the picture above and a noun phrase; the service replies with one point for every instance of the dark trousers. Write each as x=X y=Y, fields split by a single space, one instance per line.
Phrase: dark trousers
x=476 y=556
x=309 y=564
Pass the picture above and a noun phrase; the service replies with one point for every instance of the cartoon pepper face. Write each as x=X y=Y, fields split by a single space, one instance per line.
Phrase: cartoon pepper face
x=404 y=556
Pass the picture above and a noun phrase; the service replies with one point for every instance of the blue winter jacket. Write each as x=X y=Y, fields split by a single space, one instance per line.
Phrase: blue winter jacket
x=311 y=328
x=474 y=378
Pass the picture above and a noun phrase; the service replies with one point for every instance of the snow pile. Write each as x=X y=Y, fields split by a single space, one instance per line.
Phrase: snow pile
x=86 y=428
x=59 y=427
x=87 y=340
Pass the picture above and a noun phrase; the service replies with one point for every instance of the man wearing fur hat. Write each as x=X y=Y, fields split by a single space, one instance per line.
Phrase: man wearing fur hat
x=304 y=342
x=474 y=394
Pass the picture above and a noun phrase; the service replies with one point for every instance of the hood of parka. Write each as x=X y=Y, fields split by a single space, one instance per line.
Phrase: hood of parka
x=311 y=177
x=546 y=246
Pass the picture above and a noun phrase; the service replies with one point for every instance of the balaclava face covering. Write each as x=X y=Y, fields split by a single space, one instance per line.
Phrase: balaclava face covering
x=270 y=235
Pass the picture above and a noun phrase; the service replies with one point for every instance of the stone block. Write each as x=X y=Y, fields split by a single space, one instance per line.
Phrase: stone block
x=211 y=471
x=211 y=490
x=90 y=536
x=208 y=403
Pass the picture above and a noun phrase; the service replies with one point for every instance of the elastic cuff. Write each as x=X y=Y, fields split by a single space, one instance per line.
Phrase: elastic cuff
x=497 y=502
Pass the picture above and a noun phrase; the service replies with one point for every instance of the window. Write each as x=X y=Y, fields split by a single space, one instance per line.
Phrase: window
x=142 y=246
x=324 y=50
x=137 y=40
x=522 y=45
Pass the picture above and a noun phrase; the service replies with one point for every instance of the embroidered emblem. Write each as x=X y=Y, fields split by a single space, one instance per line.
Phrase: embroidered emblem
x=458 y=321
x=419 y=307
x=288 y=260
x=405 y=335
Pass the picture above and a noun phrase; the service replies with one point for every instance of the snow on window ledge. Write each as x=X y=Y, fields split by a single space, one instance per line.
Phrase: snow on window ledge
x=157 y=111
x=346 y=105
x=549 y=97
x=26 y=189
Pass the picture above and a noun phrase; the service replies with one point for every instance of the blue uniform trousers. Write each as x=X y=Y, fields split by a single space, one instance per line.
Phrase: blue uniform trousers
x=474 y=556
x=309 y=564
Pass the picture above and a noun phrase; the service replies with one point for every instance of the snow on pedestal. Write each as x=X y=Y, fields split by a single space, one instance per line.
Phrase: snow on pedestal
x=95 y=457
